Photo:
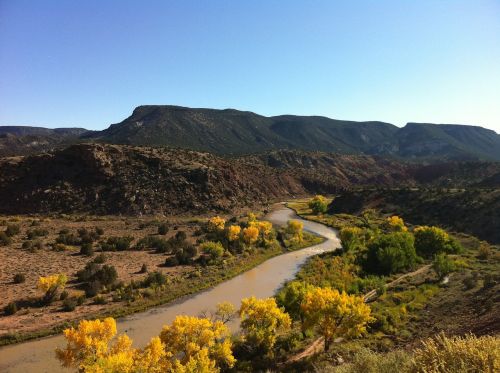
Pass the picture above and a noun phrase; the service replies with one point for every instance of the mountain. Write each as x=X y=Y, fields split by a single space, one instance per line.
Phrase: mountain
x=234 y=132
x=23 y=140
x=241 y=132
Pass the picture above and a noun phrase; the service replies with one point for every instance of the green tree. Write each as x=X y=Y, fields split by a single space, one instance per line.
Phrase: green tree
x=432 y=240
x=390 y=253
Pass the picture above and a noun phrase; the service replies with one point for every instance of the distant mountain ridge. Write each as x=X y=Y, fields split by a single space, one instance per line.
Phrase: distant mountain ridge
x=234 y=132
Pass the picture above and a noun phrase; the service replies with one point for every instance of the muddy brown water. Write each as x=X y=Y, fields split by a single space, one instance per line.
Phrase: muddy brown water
x=262 y=281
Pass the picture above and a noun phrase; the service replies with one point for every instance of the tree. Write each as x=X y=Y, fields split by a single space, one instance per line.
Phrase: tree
x=318 y=204
x=295 y=228
x=390 y=253
x=261 y=321
x=250 y=235
x=49 y=285
x=442 y=265
x=233 y=233
x=216 y=224
x=214 y=250
x=192 y=340
x=190 y=345
x=335 y=314
x=433 y=240
x=291 y=297
x=395 y=224
x=351 y=238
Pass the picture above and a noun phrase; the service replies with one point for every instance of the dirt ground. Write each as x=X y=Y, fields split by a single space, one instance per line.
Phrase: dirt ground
x=46 y=261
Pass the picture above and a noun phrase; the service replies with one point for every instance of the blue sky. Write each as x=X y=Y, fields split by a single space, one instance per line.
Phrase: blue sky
x=89 y=63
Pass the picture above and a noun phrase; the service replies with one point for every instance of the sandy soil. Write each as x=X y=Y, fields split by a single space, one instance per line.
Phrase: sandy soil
x=14 y=260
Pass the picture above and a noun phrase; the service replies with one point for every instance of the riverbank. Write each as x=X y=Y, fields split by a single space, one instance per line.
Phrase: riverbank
x=261 y=281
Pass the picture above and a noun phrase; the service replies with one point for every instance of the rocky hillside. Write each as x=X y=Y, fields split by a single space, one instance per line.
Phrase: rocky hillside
x=112 y=179
x=473 y=211
x=24 y=140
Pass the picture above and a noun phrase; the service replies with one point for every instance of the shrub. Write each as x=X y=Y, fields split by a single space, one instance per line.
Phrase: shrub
x=458 y=354
x=100 y=300
x=163 y=229
x=19 y=278
x=484 y=251
x=368 y=361
x=27 y=245
x=64 y=295
x=351 y=238
x=432 y=240
x=214 y=250
x=87 y=249
x=37 y=245
x=4 y=239
x=37 y=232
x=154 y=278
x=69 y=304
x=12 y=230
x=99 y=231
x=96 y=276
x=144 y=268
x=67 y=238
x=171 y=261
x=99 y=259
x=442 y=265
x=117 y=243
x=390 y=253
x=185 y=254
x=10 y=308
x=471 y=281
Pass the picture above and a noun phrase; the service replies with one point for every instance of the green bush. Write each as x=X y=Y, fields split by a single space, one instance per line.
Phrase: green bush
x=69 y=304
x=37 y=232
x=117 y=243
x=4 y=239
x=87 y=249
x=10 y=309
x=214 y=250
x=318 y=204
x=19 y=278
x=391 y=253
x=12 y=230
x=442 y=265
x=163 y=228
x=154 y=278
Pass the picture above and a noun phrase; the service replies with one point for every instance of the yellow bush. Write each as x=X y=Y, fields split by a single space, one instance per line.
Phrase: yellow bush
x=443 y=354
x=216 y=224
x=233 y=232
x=250 y=235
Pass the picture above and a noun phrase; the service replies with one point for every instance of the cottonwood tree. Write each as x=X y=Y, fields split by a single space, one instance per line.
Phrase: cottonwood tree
x=50 y=285
x=261 y=321
x=318 y=204
x=335 y=314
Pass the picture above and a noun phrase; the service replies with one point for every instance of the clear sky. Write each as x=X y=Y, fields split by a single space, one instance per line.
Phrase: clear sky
x=89 y=63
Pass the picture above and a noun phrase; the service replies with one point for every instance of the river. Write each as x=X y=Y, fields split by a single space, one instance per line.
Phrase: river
x=262 y=281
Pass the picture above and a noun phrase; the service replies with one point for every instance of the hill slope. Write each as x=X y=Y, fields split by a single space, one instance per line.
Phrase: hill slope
x=240 y=132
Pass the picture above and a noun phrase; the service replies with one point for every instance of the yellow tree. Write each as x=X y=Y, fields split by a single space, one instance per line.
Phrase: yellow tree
x=88 y=346
x=335 y=314
x=250 y=235
x=216 y=223
x=295 y=228
x=49 y=285
x=262 y=320
x=233 y=232
x=396 y=224
x=193 y=340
